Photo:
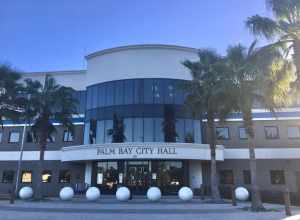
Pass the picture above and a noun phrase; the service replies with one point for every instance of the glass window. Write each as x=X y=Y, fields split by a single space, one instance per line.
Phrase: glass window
x=158 y=130
x=180 y=130
x=26 y=177
x=158 y=91
x=119 y=90
x=178 y=94
x=247 y=176
x=51 y=138
x=101 y=95
x=277 y=177
x=128 y=129
x=294 y=132
x=169 y=92
x=46 y=176
x=100 y=132
x=189 y=131
x=148 y=130
x=64 y=176
x=68 y=136
x=94 y=97
x=138 y=130
x=197 y=131
x=128 y=91
x=92 y=132
x=108 y=127
x=30 y=137
x=138 y=91
x=8 y=176
x=148 y=91
x=14 y=137
x=109 y=94
x=222 y=133
x=1 y=134
x=89 y=98
x=107 y=174
x=243 y=133
x=226 y=177
x=86 y=132
x=271 y=132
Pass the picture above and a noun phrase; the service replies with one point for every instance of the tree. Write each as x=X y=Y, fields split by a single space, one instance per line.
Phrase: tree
x=117 y=132
x=283 y=30
x=10 y=88
x=260 y=76
x=208 y=96
x=48 y=103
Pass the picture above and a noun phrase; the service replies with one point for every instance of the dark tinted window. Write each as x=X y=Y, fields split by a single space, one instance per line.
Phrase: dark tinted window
x=277 y=177
x=128 y=92
x=119 y=92
x=148 y=91
x=226 y=177
x=8 y=176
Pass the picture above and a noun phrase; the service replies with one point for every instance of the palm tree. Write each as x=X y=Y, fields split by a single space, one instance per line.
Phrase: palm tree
x=208 y=96
x=48 y=103
x=283 y=30
x=10 y=101
x=263 y=77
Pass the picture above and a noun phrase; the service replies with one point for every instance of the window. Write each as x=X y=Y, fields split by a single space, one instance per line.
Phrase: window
x=148 y=129
x=128 y=129
x=294 y=132
x=158 y=91
x=30 y=137
x=1 y=137
x=226 y=177
x=26 y=177
x=271 y=132
x=64 y=176
x=158 y=130
x=138 y=127
x=128 y=91
x=51 y=138
x=148 y=91
x=180 y=130
x=68 y=136
x=277 y=177
x=8 y=176
x=14 y=137
x=243 y=133
x=189 y=131
x=169 y=92
x=222 y=133
x=46 y=176
x=109 y=94
x=247 y=176
x=107 y=174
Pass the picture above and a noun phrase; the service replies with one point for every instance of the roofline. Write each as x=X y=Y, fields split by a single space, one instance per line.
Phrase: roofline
x=59 y=72
x=140 y=46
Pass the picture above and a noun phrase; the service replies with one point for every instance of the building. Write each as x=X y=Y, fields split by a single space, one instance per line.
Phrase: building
x=132 y=95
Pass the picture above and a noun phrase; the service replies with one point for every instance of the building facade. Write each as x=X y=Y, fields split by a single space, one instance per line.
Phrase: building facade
x=133 y=129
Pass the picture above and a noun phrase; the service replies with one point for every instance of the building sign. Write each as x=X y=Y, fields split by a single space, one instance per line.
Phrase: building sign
x=155 y=150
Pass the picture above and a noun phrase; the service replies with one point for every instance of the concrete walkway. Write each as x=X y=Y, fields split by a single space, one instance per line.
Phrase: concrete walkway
x=138 y=208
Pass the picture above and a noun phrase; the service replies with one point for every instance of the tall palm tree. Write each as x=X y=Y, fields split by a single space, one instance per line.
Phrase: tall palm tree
x=48 y=103
x=208 y=96
x=10 y=88
x=283 y=31
x=260 y=77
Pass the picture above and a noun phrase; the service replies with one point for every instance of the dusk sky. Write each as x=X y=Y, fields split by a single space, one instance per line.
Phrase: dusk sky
x=46 y=35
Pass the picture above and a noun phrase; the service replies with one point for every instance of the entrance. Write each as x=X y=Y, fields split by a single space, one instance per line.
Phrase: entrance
x=138 y=176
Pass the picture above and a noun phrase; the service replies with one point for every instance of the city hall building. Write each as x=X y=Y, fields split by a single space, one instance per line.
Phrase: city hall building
x=136 y=89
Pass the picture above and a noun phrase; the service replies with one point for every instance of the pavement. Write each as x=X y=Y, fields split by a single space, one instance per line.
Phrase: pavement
x=108 y=208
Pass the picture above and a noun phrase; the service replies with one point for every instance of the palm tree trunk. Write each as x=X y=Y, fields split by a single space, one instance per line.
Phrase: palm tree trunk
x=213 y=163
x=40 y=165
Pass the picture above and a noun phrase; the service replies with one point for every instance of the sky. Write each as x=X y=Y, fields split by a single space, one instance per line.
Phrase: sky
x=48 y=35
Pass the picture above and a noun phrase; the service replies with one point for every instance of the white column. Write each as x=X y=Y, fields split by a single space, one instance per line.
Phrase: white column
x=195 y=174
x=88 y=173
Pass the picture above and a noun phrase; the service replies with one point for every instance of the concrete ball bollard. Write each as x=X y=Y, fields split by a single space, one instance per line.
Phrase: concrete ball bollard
x=241 y=193
x=123 y=194
x=26 y=192
x=66 y=193
x=185 y=194
x=92 y=194
x=154 y=194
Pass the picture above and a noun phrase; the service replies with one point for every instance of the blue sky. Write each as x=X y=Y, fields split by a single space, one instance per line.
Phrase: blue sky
x=46 y=35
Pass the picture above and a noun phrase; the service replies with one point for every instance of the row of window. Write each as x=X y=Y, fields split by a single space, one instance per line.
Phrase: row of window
x=14 y=137
x=271 y=132
x=144 y=130
x=135 y=91
x=26 y=176
x=276 y=177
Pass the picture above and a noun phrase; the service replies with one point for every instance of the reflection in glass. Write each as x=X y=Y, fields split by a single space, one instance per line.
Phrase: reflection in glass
x=138 y=130
x=128 y=129
x=107 y=174
x=148 y=130
x=148 y=91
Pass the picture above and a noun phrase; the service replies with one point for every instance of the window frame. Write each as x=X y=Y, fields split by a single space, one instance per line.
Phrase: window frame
x=50 y=174
x=222 y=179
x=31 y=175
x=271 y=138
x=9 y=137
x=69 y=132
x=241 y=138
x=60 y=175
x=281 y=172
x=13 y=176
x=225 y=127
x=294 y=126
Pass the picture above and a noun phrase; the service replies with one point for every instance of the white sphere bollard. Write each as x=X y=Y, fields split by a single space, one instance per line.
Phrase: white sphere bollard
x=123 y=194
x=154 y=194
x=26 y=192
x=185 y=194
x=241 y=193
x=66 y=193
x=92 y=194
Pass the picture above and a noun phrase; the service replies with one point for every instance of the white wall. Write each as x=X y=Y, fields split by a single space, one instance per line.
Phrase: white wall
x=148 y=61
x=195 y=174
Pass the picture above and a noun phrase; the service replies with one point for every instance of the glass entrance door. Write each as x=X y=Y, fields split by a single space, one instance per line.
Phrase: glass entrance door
x=138 y=176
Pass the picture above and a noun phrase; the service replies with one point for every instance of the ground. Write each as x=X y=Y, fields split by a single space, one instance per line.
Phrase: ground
x=139 y=208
